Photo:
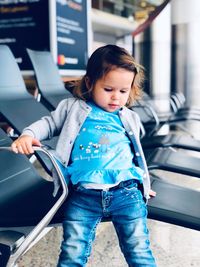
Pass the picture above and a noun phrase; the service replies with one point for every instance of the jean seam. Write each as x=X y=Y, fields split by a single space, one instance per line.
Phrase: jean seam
x=90 y=236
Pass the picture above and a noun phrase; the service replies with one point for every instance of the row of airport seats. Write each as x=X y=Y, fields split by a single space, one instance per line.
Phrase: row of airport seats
x=19 y=193
x=153 y=119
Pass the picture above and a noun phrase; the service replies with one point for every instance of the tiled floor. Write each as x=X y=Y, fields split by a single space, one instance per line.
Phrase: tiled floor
x=172 y=246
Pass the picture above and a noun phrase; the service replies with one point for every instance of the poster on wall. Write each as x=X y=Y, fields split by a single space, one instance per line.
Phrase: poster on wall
x=22 y=25
x=72 y=35
x=58 y=26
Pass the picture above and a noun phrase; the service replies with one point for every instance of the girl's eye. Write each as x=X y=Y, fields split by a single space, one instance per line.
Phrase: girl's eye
x=108 y=89
x=123 y=91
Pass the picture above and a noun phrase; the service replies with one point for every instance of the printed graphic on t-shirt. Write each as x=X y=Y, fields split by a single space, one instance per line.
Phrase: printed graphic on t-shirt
x=101 y=139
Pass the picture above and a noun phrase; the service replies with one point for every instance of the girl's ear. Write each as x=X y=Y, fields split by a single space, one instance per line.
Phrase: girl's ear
x=87 y=82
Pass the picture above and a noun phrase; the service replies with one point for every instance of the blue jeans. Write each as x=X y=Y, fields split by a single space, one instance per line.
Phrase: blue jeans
x=124 y=206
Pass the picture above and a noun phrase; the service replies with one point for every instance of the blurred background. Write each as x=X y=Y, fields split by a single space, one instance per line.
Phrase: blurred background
x=166 y=43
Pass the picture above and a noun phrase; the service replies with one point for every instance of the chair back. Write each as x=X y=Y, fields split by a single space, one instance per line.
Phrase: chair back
x=17 y=107
x=46 y=73
x=25 y=196
x=12 y=85
x=49 y=82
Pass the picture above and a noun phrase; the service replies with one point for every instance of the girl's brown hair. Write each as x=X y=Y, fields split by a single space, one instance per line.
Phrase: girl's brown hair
x=103 y=60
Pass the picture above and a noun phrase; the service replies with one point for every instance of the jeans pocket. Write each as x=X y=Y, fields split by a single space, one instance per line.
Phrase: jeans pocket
x=131 y=187
x=132 y=193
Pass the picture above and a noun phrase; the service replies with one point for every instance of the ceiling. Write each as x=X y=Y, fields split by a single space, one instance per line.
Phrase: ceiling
x=120 y=17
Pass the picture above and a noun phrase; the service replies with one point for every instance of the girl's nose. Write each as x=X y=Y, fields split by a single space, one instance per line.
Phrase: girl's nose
x=115 y=96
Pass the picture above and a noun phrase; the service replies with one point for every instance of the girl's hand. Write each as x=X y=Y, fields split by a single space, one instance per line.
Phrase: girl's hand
x=152 y=193
x=24 y=144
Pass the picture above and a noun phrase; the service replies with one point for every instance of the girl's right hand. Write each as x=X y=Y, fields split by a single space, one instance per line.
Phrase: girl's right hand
x=24 y=144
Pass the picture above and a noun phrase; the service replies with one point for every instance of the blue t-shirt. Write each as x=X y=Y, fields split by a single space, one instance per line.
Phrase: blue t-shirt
x=102 y=152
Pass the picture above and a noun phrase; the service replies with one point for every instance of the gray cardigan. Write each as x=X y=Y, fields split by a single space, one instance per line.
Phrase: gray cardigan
x=66 y=122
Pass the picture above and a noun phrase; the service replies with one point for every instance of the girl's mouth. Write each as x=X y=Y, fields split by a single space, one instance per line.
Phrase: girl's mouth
x=113 y=106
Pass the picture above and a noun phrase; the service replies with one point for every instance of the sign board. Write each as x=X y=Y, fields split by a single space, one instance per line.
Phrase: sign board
x=22 y=25
x=59 y=26
x=72 y=35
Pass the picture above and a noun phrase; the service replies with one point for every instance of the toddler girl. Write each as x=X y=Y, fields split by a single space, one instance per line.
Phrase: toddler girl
x=100 y=148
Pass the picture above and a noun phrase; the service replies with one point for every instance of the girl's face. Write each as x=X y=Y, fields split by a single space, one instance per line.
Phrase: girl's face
x=111 y=92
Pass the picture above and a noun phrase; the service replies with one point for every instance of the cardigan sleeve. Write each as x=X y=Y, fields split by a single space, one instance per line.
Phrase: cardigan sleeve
x=49 y=126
